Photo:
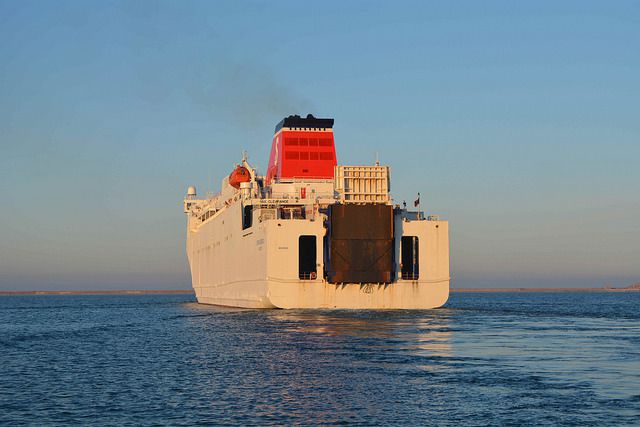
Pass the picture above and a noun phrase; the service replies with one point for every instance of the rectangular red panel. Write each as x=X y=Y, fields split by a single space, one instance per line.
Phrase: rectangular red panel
x=302 y=154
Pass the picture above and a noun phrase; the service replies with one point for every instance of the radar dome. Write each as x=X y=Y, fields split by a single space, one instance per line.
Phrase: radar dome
x=191 y=191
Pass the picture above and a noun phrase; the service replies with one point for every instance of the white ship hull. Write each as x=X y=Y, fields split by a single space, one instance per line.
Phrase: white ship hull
x=271 y=294
x=258 y=268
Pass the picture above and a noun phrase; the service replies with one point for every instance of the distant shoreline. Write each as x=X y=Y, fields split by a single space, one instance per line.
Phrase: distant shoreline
x=490 y=290
x=190 y=292
x=114 y=292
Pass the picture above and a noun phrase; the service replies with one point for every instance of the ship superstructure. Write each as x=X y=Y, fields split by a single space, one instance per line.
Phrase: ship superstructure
x=313 y=234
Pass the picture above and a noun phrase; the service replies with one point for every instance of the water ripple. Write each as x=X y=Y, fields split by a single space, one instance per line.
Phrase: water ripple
x=513 y=359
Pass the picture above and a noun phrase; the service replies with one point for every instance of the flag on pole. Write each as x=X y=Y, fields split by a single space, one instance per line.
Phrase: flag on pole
x=417 y=201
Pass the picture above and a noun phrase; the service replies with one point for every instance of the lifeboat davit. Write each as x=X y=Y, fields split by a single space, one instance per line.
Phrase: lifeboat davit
x=239 y=174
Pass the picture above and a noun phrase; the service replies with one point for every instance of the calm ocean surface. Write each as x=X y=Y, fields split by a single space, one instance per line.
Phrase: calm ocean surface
x=501 y=358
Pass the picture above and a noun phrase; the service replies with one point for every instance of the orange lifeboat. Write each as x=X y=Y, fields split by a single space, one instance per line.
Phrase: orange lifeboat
x=239 y=174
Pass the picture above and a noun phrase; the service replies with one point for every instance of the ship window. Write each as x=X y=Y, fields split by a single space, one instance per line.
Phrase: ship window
x=313 y=142
x=291 y=141
x=304 y=155
x=325 y=142
x=326 y=156
x=313 y=156
x=247 y=217
x=304 y=142
x=292 y=213
x=410 y=258
x=291 y=155
x=307 y=257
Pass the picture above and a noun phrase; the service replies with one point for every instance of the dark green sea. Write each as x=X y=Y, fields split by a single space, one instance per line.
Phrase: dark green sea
x=483 y=359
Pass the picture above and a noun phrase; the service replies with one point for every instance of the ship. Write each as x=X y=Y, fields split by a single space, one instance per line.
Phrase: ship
x=312 y=234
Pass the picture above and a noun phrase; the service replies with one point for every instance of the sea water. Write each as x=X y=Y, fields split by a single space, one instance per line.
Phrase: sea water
x=496 y=358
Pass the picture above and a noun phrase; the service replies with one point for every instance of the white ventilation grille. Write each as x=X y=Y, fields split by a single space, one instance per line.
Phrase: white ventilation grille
x=362 y=184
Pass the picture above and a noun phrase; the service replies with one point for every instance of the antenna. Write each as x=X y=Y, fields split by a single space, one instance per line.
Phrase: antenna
x=377 y=160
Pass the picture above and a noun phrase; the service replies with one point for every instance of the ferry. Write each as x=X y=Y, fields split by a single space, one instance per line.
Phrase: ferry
x=312 y=234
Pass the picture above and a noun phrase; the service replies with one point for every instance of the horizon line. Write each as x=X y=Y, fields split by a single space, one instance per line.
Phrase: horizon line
x=190 y=291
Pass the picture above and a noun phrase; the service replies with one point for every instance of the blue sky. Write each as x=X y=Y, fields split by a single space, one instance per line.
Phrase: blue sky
x=517 y=122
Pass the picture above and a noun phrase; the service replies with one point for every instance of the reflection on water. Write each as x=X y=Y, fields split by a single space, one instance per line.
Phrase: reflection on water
x=422 y=339
x=485 y=359
x=425 y=333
